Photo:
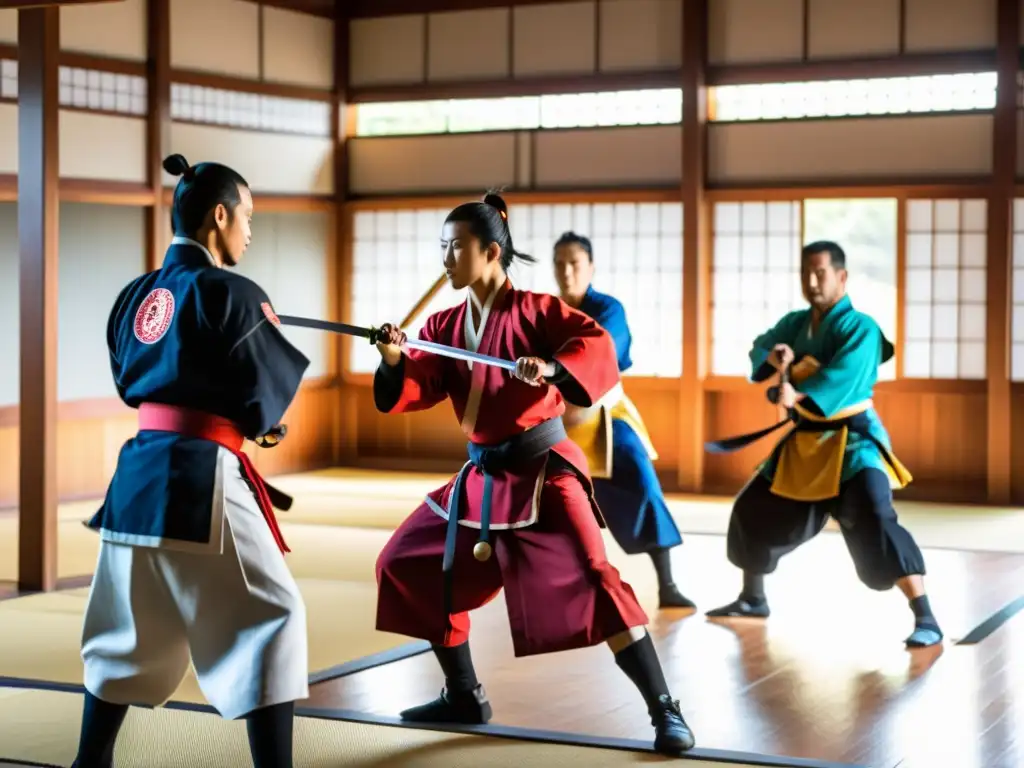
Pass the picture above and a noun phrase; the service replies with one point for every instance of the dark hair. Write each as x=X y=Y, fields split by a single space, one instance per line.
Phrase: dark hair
x=488 y=221
x=836 y=254
x=571 y=238
x=202 y=188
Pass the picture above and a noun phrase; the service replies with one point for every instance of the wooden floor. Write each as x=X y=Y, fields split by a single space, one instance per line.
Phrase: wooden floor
x=825 y=677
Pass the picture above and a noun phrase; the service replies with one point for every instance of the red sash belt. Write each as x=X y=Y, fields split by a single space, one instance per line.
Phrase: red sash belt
x=171 y=418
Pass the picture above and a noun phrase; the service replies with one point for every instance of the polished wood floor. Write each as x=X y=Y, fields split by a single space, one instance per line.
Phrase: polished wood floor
x=826 y=677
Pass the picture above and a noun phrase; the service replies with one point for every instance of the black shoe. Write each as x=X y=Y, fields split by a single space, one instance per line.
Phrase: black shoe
x=742 y=608
x=468 y=707
x=672 y=736
x=669 y=596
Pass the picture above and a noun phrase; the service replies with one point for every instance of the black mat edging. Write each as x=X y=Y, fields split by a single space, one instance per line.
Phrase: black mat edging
x=348 y=668
x=497 y=731
x=992 y=623
x=364 y=663
x=10 y=761
x=566 y=739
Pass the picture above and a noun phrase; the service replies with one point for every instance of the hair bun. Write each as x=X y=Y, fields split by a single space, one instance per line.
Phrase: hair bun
x=495 y=200
x=177 y=165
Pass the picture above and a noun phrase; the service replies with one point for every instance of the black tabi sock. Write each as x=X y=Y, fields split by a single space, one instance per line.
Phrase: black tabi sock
x=640 y=662
x=753 y=588
x=923 y=612
x=662 y=560
x=101 y=722
x=457 y=665
x=270 y=735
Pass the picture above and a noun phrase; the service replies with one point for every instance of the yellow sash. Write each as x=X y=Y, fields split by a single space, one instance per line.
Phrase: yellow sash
x=810 y=464
x=594 y=433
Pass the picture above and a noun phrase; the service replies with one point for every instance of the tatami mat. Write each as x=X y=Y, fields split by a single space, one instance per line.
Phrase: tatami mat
x=353 y=511
x=42 y=727
x=40 y=635
x=377 y=499
x=318 y=552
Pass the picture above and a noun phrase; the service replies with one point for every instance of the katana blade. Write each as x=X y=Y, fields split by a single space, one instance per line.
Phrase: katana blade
x=459 y=354
x=373 y=334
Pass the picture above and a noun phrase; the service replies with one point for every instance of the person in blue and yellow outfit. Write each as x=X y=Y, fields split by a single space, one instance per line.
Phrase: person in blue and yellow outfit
x=837 y=460
x=613 y=436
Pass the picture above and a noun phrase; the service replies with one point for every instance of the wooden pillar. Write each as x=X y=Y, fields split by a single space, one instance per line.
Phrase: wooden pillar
x=696 y=242
x=38 y=53
x=1000 y=261
x=347 y=425
x=158 y=125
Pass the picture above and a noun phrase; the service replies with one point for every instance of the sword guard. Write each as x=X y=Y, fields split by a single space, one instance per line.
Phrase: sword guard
x=376 y=335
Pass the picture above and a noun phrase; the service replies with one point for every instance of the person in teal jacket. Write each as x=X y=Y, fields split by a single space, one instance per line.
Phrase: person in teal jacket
x=837 y=462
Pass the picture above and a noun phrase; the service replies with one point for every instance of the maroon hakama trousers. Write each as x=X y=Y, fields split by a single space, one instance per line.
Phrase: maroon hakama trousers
x=560 y=589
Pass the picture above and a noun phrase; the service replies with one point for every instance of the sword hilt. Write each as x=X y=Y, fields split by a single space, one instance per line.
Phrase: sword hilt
x=376 y=335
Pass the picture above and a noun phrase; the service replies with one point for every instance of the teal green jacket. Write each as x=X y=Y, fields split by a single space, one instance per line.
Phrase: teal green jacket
x=850 y=346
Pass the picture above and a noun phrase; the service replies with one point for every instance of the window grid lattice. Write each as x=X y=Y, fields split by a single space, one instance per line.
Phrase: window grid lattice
x=1017 y=333
x=194 y=103
x=638 y=250
x=755 y=277
x=573 y=110
x=850 y=98
x=945 y=290
x=87 y=89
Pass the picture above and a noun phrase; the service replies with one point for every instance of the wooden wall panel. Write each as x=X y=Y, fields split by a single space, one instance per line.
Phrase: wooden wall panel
x=542 y=43
x=298 y=49
x=88 y=443
x=648 y=155
x=950 y=25
x=453 y=162
x=115 y=30
x=10 y=300
x=434 y=433
x=270 y=162
x=8 y=138
x=1020 y=141
x=940 y=438
x=640 y=35
x=108 y=147
x=846 y=29
x=101 y=249
x=749 y=31
x=219 y=36
x=9 y=27
x=851 y=149
x=469 y=45
x=387 y=51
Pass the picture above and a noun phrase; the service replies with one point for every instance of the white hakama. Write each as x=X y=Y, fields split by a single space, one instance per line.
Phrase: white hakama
x=233 y=609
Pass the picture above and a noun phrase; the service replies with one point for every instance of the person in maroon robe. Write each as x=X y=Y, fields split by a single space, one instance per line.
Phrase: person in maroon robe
x=525 y=495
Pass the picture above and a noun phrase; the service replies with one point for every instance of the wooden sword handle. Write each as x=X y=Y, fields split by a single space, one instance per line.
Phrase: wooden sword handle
x=425 y=299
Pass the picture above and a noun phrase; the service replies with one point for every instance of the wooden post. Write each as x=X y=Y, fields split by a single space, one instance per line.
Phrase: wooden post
x=158 y=125
x=1000 y=261
x=38 y=53
x=696 y=232
x=347 y=425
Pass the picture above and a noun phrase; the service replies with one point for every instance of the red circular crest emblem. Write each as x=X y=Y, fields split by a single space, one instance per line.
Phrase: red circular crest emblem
x=154 y=316
x=269 y=312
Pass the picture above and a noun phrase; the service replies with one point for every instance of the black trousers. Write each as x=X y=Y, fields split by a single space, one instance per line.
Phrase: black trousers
x=764 y=527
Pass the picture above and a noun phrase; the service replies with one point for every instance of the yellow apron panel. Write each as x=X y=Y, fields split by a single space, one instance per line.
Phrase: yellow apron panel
x=594 y=437
x=810 y=464
x=594 y=434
